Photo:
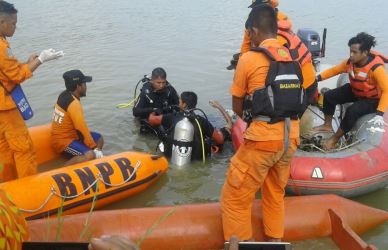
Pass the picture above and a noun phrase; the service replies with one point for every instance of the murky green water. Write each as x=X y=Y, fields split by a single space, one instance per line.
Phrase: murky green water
x=117 y=42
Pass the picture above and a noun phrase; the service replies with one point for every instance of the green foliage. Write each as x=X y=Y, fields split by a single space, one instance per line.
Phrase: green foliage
x=60 y=220
x=86 y=229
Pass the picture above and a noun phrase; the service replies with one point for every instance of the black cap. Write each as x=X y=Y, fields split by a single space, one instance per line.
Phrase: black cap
x=75 y=77
x=258 y=2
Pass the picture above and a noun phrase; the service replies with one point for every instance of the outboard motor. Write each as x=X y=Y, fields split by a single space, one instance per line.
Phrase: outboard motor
x=182 y=145
x=312 y=41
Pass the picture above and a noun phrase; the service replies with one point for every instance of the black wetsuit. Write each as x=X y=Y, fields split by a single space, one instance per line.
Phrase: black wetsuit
x=159 y=102
x=167 y=133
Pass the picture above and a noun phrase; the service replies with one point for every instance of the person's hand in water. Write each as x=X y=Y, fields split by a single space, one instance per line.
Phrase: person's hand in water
x=115 y=242
x=215 y=104
x=228 y=118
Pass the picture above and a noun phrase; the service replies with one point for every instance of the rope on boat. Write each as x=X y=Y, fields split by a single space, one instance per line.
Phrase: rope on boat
x=347 y=146
x=356 y=133
x=125 y=181
x=99 y=178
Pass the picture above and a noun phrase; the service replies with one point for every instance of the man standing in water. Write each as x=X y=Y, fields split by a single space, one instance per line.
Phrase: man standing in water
x=263 y=160
x=16 y=148
x=157 y=96
x=368 y=88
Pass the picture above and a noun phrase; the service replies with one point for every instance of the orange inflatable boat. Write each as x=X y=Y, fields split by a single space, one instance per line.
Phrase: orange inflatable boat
x=73 y=188
x=41 y=138
x=199 y=226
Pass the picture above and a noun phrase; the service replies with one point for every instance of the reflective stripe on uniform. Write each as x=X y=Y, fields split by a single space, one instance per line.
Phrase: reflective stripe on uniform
x=286 y=77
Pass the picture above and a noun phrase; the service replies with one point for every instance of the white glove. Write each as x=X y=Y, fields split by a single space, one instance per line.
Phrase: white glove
x=377 y=120
x=98 y=153
x=49 y=54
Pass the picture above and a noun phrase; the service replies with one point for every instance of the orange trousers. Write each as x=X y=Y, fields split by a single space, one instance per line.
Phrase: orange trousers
x=16 y=149
x=256 y=165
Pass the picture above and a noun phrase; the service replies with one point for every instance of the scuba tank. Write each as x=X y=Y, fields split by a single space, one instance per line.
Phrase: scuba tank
x=20 y=100
x=182 y=145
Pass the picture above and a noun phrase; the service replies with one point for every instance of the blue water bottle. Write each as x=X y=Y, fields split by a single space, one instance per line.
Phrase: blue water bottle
x=21 y=102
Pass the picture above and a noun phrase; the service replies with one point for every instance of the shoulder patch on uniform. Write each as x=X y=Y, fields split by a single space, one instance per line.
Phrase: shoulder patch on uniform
x=282 y=53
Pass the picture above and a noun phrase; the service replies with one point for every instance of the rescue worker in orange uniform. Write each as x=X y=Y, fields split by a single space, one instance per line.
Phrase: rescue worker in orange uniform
x=298 y=49
x=263 y=160
x=368 y=88
x=69 y=131
x=246 y=44
x=16 y=150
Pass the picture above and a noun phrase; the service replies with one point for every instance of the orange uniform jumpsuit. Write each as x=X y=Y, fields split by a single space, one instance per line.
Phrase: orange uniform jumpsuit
x=16 y=147
x=68 y=123
x=260 y=162
x=13 y=229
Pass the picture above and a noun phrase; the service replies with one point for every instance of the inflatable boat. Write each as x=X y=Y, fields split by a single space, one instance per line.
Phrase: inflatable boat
x=75 y=188
x=359 y=164
x=357 y=167
x=199 y=226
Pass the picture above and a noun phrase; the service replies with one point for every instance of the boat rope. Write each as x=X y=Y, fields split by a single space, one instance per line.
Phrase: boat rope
x=313 y=146
x=342 y=143
x=99 y=177
x=347 y=146
x=125 y=181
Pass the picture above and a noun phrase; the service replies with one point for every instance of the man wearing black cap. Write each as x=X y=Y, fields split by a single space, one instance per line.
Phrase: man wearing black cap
x=70 y=133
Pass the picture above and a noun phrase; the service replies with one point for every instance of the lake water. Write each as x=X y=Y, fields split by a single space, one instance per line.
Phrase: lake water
x=119 y=41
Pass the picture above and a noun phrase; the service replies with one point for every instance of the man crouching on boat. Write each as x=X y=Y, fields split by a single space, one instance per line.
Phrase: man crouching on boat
x=368 y=88
x=70 y=133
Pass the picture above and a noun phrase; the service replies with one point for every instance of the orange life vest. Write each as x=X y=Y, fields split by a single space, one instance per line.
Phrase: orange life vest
x=298 y=50
x=384 y=58
x=359 y=79
x=283 y=95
